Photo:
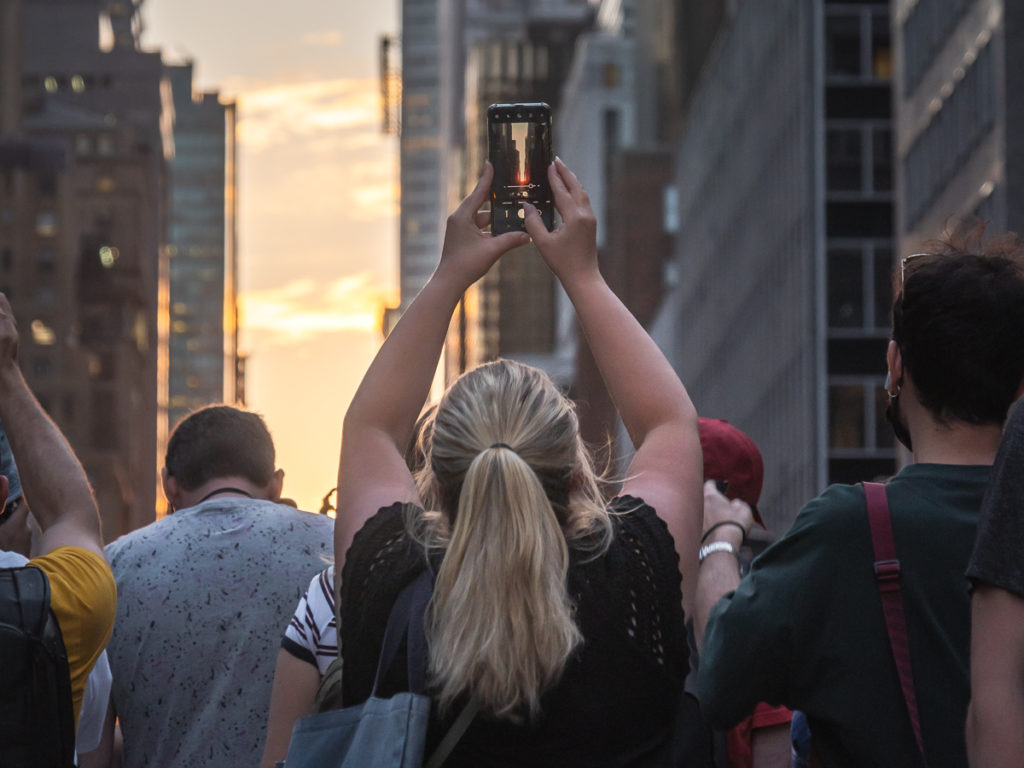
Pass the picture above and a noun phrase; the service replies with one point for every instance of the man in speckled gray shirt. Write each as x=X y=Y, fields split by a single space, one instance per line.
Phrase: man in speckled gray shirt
x=203 y=594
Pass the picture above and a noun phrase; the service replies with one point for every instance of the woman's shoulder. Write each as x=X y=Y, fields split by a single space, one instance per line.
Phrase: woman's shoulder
x=635 y=519
x=383 y=539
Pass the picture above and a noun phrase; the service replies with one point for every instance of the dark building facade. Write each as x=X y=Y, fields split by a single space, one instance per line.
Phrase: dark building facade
x=776 y=316
x=203 y=333
x=959 y=144
x=82 y=220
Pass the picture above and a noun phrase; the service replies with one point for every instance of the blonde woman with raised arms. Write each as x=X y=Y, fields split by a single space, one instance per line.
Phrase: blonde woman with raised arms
x=559 y=616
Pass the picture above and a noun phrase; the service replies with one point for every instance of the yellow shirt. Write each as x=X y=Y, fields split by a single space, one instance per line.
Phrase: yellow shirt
x=84 y=599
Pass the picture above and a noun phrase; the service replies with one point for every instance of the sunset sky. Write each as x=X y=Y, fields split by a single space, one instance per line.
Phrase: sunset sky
x=318 y=203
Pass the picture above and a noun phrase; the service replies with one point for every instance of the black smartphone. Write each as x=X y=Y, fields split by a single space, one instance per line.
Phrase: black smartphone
x=519 y=148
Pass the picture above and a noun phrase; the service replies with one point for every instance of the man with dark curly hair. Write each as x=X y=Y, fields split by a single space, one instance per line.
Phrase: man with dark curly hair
x=806 y=628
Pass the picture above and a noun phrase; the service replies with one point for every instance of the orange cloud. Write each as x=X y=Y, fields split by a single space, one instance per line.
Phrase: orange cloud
x=273 y=114
x=304 y=309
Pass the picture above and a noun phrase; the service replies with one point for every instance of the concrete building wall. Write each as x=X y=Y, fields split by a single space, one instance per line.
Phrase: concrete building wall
x=743 y=323
x=952 y=76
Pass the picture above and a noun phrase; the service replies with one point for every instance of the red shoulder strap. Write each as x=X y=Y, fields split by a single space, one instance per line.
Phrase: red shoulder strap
x=887 y=576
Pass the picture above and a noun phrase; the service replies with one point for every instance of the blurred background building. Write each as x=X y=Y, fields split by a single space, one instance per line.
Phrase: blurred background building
x=86 y=139
x=202 y=251
x=959 y=147
x=740 y=159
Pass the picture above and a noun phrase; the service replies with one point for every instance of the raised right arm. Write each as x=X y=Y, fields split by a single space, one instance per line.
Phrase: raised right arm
x=51 y=476
x=666 y=470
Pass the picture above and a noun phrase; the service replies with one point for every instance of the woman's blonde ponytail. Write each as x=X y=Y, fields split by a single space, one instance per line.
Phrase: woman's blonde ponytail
x=502 y=622
x=516 y=489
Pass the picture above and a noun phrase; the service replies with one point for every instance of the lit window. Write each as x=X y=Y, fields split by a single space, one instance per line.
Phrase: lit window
x=179 y=326
x=77 y=83
x=179 y=308
x=42 y=334
x=46 y=224
x=108 y=255
x=105 y=184
x=83 y=145
x=50 y=84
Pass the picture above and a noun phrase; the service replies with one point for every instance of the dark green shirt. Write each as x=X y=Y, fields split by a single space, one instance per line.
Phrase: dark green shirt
x=805 y=627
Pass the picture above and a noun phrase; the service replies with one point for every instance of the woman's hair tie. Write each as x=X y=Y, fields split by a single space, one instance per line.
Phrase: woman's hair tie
x=501 y=445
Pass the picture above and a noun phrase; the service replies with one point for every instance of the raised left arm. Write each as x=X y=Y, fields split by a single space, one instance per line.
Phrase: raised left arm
x=380 y=419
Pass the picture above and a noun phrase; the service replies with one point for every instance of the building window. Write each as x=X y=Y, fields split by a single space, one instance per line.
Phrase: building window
x=846 y=416
x=42 y=366
x=883 y=287
x=881 y=47
x=42 y=334
x=842 y=45
x=844 y=159
x=860 y=286
x=46 y=224
x=46 y=260
x=105 y=145
x=845 y=288
x=881 y=165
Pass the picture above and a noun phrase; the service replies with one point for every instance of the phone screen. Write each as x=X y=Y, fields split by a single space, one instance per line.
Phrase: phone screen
x=519 y=148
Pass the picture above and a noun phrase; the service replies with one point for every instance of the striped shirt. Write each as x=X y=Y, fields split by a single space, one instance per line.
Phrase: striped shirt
x=312 y=634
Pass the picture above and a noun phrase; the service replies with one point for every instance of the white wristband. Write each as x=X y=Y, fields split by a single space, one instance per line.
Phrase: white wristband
x=717 y=546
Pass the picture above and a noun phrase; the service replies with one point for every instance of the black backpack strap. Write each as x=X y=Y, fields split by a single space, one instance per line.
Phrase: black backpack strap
x=408 y=613
x=44 y=732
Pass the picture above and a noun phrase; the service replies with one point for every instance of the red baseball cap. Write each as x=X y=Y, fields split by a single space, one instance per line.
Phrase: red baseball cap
x=730 y=456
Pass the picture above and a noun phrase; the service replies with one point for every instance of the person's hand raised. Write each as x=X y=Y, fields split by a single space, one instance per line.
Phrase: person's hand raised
x=570 y=251
x=468 y=251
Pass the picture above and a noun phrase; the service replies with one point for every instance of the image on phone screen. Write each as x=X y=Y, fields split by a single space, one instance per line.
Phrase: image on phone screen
x=519 y=148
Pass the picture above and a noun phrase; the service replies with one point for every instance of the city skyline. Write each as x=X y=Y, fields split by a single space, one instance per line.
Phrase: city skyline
x=317 y=206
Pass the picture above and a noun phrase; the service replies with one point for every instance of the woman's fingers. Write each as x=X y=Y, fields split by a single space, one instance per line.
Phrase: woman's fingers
x=472 y=204
x=571 y=182
x=535 y=225
x=483 y=219
x=563 y=198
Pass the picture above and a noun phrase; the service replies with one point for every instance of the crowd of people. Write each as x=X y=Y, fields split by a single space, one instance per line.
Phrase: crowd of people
x=573 y=619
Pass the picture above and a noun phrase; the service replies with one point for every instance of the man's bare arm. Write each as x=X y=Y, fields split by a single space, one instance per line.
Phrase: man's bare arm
x=51 y=476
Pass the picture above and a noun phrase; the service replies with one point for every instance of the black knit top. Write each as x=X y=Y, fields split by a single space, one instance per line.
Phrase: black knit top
x=615 y=702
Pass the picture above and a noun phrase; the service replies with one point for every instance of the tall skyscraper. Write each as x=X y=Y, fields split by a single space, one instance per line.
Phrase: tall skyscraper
x=82 y=215
x=778 y=318
x=959 y=128
x=422 y=202
x=202 y=250
x=498 y=51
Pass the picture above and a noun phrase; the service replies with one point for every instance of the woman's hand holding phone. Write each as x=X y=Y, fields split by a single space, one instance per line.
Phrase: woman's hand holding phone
x=570 y=251
x=468 y=251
